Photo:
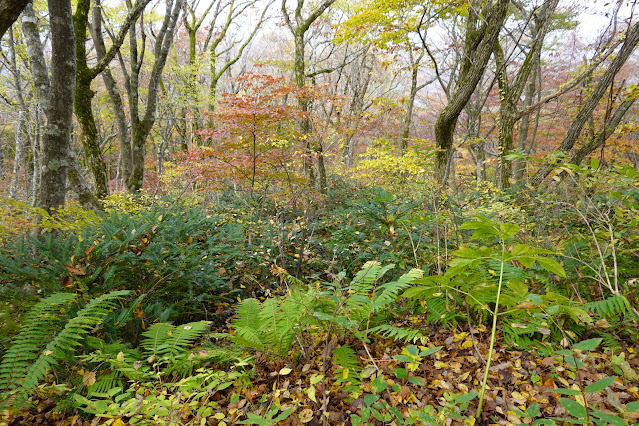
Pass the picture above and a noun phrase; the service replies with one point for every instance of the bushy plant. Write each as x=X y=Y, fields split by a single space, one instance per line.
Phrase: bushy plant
x=176 y=260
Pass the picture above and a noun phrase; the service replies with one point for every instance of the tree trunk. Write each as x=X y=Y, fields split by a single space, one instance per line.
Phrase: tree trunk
x=478 y=47
x=114 y=95
x=83 y=102
x=57 y=136
x=510 y=94
x=141 y=126
x=9 y=12
x=403 y=144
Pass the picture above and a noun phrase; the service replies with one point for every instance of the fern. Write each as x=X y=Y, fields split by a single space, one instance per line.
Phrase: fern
x=612 y=307
x=166 y=342
x=347 y=360
x=389 y=292
x=399 y=333
x=39 y=325
x=71 y=335
x=269 y=326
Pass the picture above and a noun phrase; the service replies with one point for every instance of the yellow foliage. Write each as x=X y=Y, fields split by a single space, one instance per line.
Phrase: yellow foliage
x=381 y=166
x=122 y=202
x=17 y=217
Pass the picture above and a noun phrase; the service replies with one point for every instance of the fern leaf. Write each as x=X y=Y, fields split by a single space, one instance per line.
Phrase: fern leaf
x=183 y=336
x=611 y=307
x=70 y=336
x=399 y=333
x=38 y=327
x=346 y=359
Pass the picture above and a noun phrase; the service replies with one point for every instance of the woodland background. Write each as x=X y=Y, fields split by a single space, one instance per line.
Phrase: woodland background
x=304 y=212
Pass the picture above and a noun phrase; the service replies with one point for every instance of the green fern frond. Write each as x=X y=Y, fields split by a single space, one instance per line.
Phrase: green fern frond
x=612 y=307
x=439 y=311
x=399 y=333
x=39 y=325
x=248 y=314
x=346 y=358
x=167 y=341
x=70 y=336
x=155 y=337
x=367 y=276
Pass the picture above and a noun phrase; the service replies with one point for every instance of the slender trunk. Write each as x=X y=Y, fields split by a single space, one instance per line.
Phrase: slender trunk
x=18 y=158
x=598 y=140
x=125 y=165
x=403 y=145
x=519 y=166
x=83 y=105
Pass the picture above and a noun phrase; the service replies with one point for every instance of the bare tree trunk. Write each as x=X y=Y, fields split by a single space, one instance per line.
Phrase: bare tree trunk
x=114 y=95
x=482 y=29
x=298 y=29
x=18 y=158
x=510 y=94
x=141 y=126
x=519 y=166
x=598 y=140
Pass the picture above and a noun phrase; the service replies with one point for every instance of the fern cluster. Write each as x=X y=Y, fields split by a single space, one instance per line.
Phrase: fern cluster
x=270 y=326
x=38 y=347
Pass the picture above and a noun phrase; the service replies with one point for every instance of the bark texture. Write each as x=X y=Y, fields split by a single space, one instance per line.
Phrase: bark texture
x=57 y=135
x=298 y=25
x=10 y=10
x=482 y=30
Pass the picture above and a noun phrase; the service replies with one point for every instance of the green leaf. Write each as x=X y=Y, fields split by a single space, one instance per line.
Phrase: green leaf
x=379 y=384
x=508 y=230
x=430 y=351
x=551 y=265
x=536 y=299
x=412 y=350
x=419 y=382
x=518 y=287
x=519 y=249
x=610 y=419
x=401 y=373
x=533 y=410
x=370 y=399
x=573 y=408
x=403 y=358
x=565 y=391
x=600 y=385
x=467 y=252
x=632 y=407
x=588 y=345
x=461 y=399
x=527 y=261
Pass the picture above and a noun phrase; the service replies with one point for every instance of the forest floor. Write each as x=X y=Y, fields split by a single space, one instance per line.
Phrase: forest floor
x=393 y=378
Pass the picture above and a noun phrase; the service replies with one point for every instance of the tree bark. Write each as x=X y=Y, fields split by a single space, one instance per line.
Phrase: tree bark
x=57 y=135
x=482 y=31
x=114 y=95
x=10 y=10
x=141 y=126
x=83 y=102
x=298 y=29
x=510 y=94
